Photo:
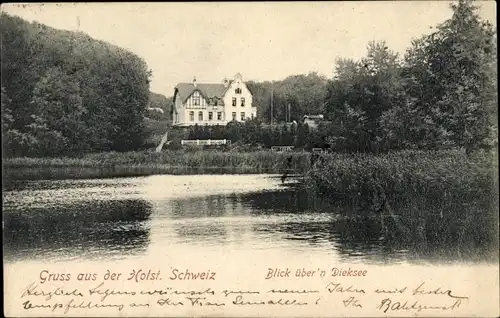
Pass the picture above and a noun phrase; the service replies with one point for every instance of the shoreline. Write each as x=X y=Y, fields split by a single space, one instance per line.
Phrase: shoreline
x=330 y=173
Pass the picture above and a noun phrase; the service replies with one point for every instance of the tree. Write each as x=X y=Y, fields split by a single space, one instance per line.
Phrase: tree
x=91 y=93
x=301 y=94
x=359 y=95
x=301 y=139
x=251 y=132
x=7 y=118
x=234 y=131
x=19 y=69
x=44 y=141
x=452 y=82
x=162 y=102
x=58 y=110
x=443 y=94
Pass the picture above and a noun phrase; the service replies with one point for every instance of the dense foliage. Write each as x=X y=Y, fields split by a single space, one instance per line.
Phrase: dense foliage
x=292 y=98
x=412 y=172
x=256 y=134
x=157 y=102
x=442 y=93
x=66 y=93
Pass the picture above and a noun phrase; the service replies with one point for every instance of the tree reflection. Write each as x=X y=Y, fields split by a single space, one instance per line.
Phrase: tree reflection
x=421 y=228
x=206 y=233
x=203 y=206
x=82 y=229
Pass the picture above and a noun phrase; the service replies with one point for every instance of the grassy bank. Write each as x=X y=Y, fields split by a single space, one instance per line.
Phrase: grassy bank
x=395 y=171
x=250 y=162
x=423 y=172
x=444 y=199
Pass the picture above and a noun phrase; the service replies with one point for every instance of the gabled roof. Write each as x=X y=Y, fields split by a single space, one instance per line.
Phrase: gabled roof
x=209 y=91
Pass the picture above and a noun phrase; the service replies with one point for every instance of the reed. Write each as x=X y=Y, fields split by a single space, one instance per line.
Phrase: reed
x=422 y=172
x=254 y=162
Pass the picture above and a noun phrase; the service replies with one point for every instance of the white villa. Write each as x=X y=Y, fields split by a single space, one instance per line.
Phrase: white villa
x=212 y=104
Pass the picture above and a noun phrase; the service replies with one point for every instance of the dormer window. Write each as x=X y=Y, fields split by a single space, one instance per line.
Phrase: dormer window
x=196 y=98
x=238 y=90
x=216 y=103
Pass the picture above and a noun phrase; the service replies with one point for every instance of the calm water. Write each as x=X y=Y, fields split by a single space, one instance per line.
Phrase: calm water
x=123 y=218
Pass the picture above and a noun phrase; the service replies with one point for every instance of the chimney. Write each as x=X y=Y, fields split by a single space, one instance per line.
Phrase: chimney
x=225 y=81
x=194 y=81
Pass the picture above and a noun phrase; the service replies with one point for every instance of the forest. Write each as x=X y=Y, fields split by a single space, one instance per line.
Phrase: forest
x=64 y=93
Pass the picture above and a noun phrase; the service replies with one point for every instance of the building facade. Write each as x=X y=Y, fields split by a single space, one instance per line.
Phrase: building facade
x=212 y=104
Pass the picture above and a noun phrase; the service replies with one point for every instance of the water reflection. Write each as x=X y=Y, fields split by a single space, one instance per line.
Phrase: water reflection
x=137 y=217
x=83 y=228
x=460 y=229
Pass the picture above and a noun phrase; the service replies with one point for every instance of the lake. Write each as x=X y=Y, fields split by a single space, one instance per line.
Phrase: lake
x=140 y=217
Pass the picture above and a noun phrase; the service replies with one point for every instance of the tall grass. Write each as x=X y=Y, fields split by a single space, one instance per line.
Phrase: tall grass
x=423 y=172
x=254 y=162
x=445 y=199
x=402 y=171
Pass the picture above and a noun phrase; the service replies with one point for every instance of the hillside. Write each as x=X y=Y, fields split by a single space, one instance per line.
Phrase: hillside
x=159 y=101
x=64 y=92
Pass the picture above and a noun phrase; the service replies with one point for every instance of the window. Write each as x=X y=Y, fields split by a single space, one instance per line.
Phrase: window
x=216 y=102
x=219 y=115
x=210 y=115
x=237 y=91
x=242 y=115
x=191 y=116
x=196 y=98
x=234 y=115
x=253 y=115
x=242 y=101
x=234 y=101
x=200 y=116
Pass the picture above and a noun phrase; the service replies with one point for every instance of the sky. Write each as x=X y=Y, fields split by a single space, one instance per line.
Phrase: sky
x=260 y=40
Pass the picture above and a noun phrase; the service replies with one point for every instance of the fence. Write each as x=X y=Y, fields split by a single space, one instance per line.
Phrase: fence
x=318 y=150
x=207 y=142
x=281 y=148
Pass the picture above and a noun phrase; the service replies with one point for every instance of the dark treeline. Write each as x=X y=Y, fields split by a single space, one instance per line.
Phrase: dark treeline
x=64 y=93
